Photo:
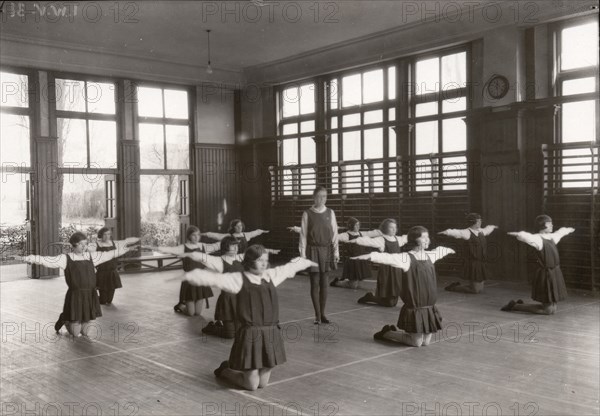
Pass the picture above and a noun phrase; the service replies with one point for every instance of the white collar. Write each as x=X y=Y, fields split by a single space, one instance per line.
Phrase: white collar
x=257 y=280
x=319 y=211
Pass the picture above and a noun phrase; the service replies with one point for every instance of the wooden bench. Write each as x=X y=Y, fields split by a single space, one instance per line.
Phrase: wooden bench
x=148 y=263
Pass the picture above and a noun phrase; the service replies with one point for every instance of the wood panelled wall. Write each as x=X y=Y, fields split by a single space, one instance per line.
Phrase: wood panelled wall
x=215 y=183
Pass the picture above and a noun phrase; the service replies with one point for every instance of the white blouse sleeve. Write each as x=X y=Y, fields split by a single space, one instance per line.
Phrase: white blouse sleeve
x=253 y=234
x=343 y=237
x=121 y=244
x=278 y=274
x=228 y=282
x=212 y=262
x=438 y=253
x=51 y=262
x=459 y=234
x=371 y=234
x=215 y=236
x=377 y=242
x=177 y=250
x=303 y=232
x=560 y=233
x=402 y=240
x=534 y=240
x=488 y=229
x=398 y=260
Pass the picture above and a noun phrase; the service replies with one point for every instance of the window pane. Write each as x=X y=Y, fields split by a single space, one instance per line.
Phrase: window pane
x=308 y=178
x=178 y=147
x=334 y=148
x=392 y=142
x=83 y=203
x=423 y=175
x=159 y=206
x=351 y=145
x=427 y=76
x=103 y=144
x=373 y=117
x=426 y=137
x=578 y=86
x=579 y=46
x=70 y=95
x=151 y=146
x=392 y=82
x=578 y=121
x=290 y=152
x=392 y=114
x=14 y=140
x=308 y=150
x=373 y=86
x=454 y=135
x=101 y=98
x=454 y=173
x=176 y=104
x=373 y=143
x=454 y=71
x=351 y=94
x=307 y=126
x=576 y=176
x=72 y=143
x=290 y=102
x=333 y=121
x=333 y=93
x=426 y=109
x=14 y=90
x=13 y=205
x=351 y=120
x=150 y=103
x=307 y=99
x=454 y=104
x=290 y=128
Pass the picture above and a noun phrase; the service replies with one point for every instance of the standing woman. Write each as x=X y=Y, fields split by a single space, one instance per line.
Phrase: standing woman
x=191 y=296
x=475 y=254
x=388 y=278
x=319 y=243
x=419 y=317
x=258 y=346
x=355 y=270
x=548 y=286
x=107 y=276
x=81 y=301
x=236 y=229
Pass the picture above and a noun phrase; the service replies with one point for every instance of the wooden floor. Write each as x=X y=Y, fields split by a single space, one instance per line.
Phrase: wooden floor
x=150 y=361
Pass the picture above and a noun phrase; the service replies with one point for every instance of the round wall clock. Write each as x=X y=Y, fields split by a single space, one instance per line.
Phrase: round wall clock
x=497 y=86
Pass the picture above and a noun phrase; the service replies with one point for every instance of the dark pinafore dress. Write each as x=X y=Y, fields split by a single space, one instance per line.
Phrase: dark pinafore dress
x=226 y=303
x=258 y=342
x=356 y=269
x=475 y=266
x=549 y=283
x=242 y=243
x=319 y=240
x=107 y=277
x=419 y=294
x=189 y=292
x=81 y=302
x=389 y=279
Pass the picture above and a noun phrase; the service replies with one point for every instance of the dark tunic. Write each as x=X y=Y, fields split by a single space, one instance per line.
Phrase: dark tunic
x=549 y=283
x=356 y=269
x=226 y=303
x=242 y=243
x=191 y=293
x=81 y=301
x=258 y=342
x=389 y=279
x=419 y=294
x=475 y=261
x=107 y=277
x=319 y=240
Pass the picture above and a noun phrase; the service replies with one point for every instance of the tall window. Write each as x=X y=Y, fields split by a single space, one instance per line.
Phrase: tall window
x=576 y=82
x=297 y=126
x=438 y=105
x=359 y=108
x=86 y=127
x=164 y=135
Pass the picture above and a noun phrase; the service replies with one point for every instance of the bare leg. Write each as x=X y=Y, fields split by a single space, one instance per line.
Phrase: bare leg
x=190 y=308
x=314 y=295
x=427 y=339
x=471 y=287
x=369 y=297
x=198 y=307
x=323 y=283
x=264 y=374
x=248 y=379
x=413 y=340
x=537 y=308
x=74 y=328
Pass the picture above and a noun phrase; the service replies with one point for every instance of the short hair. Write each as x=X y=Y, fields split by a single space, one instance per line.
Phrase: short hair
x=227 y=242
x=413 y=234
x=76 y=238
x=385 y=223
x=102 y=230
x=541 y=220
x=318 y=189
x=191 y=230
x=472 y=218
x=253 y=253
x=352 y=222
x=235 y=222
